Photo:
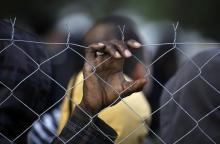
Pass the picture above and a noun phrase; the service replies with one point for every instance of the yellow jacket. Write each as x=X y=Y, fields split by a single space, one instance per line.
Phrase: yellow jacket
x=120 y=117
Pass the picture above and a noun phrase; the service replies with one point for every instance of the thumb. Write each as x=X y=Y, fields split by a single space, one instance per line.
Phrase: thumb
x=133 y=86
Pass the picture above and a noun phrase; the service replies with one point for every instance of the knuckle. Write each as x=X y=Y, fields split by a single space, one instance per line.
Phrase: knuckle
x=99 y=53
x=109 y=47
x=114 y=41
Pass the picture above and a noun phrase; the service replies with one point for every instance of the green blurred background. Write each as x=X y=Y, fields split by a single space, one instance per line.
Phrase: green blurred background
x=202 y=15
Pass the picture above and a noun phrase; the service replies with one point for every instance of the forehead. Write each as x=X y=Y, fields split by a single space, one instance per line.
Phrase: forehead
x=101 y=32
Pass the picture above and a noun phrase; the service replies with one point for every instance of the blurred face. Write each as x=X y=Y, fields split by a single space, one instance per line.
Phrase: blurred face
x=107 y=32
x=101 y=32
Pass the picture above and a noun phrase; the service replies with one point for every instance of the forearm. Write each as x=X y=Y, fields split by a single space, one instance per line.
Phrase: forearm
x=81 y=129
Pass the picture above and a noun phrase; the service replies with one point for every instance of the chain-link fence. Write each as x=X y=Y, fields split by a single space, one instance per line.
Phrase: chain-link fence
x=40 y=68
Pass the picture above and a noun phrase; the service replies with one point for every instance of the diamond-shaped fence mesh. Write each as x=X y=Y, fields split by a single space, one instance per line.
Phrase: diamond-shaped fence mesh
x=39 y=70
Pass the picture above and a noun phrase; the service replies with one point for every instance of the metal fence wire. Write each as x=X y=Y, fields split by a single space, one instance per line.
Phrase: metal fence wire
x=39 y=67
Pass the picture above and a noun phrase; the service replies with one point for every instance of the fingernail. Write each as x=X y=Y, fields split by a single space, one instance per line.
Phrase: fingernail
x=100 y=44
x=117 y=54
x=137 y=44
x=127 y=53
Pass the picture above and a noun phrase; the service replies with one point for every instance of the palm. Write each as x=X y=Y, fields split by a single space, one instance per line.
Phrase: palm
x=103 y=86
x=106 y=83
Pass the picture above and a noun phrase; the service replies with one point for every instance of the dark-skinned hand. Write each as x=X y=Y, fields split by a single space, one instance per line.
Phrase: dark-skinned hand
x=103 y=85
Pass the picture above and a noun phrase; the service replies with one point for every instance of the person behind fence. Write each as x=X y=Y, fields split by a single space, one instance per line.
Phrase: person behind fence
x=119 y=116
x=65 y=66
x=163 y=70
x=16 y=109
x=194 y=115
x=25 y=92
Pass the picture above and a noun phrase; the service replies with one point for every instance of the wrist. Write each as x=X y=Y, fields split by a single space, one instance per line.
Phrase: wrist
x=88 y=109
